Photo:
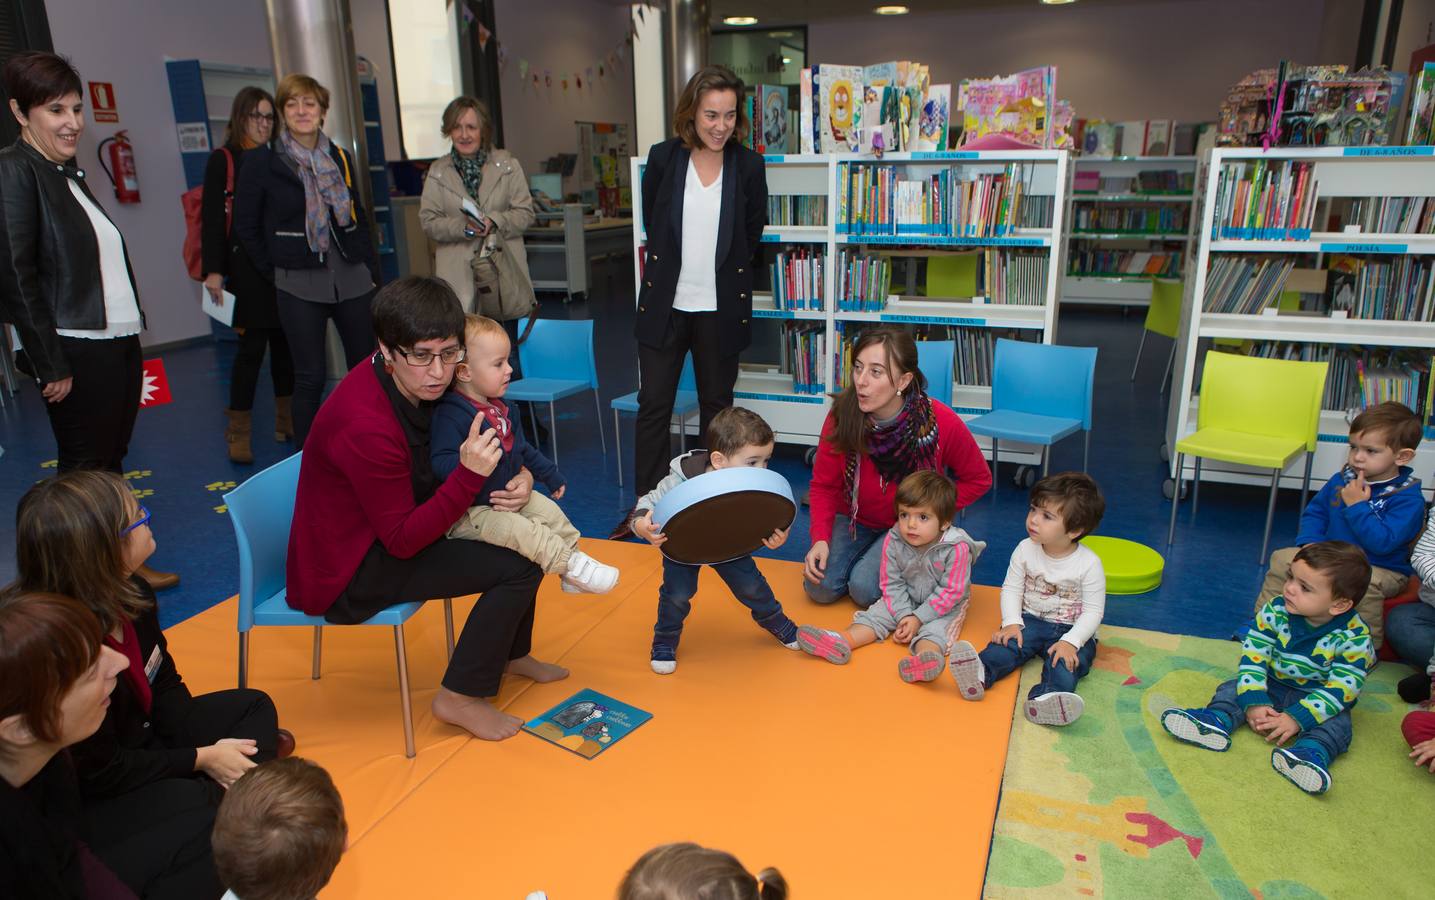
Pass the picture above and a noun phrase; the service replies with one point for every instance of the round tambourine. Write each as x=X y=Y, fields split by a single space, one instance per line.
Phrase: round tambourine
x=724 y=514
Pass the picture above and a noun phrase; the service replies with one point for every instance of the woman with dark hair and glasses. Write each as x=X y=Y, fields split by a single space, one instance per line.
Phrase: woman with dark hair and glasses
x=704 y=209
x=162 y=758
x=227 y=267
x=370 y=515
x=65 y=277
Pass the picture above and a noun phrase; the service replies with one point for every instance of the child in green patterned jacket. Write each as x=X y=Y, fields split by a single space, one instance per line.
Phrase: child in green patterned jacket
x=1302 y=668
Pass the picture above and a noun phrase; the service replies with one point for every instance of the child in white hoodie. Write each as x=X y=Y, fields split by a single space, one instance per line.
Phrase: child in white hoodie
x=925 y=579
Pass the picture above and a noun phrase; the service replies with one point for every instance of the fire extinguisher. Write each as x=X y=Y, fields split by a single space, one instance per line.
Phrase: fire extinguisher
x=122 y=167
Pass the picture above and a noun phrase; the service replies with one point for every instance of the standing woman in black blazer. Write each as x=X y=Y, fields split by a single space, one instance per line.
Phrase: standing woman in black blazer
x=704 y=208
x=303 y=227
x=227 y=267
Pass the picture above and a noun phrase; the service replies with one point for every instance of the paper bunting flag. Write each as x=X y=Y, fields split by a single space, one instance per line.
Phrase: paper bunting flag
x=503 y=57
x=483 y=35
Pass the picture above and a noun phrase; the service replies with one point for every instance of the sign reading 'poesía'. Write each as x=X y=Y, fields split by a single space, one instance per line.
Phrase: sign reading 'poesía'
x=1333 y=247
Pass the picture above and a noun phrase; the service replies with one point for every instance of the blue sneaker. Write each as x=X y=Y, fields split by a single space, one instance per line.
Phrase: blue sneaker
x=1202 y=727
x=1303 y=766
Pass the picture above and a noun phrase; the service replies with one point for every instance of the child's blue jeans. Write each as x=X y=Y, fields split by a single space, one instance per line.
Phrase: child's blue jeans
x=1332 y=736
x=1037 y=637
x=680 y=583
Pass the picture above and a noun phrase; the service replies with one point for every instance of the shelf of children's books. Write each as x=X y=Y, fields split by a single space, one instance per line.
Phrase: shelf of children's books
x=763 y=307
x=1025 y=237
x=969 y=313
x=795 y=234
x=1318 y=329
x=1115 y=159
x=1131 y=235
x=946 y=157
x=1334 y=242
x=1173 y=197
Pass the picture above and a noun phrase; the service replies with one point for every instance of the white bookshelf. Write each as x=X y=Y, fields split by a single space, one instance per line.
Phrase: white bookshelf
x=1339 y=172
x=798 y=417
x=1126 y=290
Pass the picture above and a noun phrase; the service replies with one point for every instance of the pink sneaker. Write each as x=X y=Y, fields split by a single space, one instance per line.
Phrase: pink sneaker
x=830 y=645
x=924 y=666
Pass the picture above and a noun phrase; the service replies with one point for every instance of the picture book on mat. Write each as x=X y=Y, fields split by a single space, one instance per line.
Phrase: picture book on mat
x=587 y=723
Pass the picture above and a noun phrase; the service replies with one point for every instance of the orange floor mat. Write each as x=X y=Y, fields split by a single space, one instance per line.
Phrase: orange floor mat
x=776 y=756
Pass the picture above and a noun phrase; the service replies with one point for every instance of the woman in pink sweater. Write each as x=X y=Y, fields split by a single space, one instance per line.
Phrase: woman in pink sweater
x=882 y=427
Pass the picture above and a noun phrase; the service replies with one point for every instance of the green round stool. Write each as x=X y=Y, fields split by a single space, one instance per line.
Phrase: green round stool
x=1131 y=568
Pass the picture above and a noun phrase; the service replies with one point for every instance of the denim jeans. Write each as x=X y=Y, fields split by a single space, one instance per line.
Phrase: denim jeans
x=1037 y=636
x=680 y=583
x=1410 y=632
x=1332 y=736
x=853 y=563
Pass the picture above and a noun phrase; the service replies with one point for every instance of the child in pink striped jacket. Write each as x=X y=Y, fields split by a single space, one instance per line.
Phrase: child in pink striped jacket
x=925 y=580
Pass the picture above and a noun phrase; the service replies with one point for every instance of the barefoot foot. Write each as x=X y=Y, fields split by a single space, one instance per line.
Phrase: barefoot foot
x=474 y=715
x=540 y=672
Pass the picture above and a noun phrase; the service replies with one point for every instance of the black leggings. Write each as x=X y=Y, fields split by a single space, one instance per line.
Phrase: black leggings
x=250 y=356
x=93 y=424
x=156 y=837
x=306 y=325
x=500 y=627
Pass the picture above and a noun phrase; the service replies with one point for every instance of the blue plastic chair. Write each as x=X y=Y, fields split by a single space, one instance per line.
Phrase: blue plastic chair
x=262 y=509
x=685 y=403
x=558 y=362
x=1040 y=394
x=934 y=358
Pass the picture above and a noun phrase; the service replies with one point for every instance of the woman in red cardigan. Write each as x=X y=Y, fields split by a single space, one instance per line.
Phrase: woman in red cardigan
x=882 y=427
x=370 y=516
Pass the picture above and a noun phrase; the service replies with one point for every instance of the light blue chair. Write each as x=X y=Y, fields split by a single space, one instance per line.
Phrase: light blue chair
x=1040 y=394
x=261 y=510
x=685 y=403
x=557 y=359
x=934 y=358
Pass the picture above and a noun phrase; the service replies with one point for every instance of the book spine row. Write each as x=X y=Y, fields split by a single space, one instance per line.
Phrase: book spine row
x=797 y=280
x=1400 y=290
x=1012 y=278
x=971 y=365
x=804 y=355
x=878 y=200
x=864 y=281
x=1266 y=200
x=1096 y=262
x=1360 y=377
x=1394 y=215
x=796 y=209
x=1144 y=219
x=1237 y=284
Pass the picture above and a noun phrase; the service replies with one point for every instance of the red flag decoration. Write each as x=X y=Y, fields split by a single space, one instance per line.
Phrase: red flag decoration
x=154 y=384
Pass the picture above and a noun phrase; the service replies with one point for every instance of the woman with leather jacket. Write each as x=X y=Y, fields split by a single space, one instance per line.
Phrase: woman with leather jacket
x=65 y=278
x=303 y=227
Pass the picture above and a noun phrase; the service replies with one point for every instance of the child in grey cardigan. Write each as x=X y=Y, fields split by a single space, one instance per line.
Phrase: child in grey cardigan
x=925 y=581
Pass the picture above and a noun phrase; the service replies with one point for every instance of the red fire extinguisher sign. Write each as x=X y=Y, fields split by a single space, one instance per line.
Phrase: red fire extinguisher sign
x=102 y=102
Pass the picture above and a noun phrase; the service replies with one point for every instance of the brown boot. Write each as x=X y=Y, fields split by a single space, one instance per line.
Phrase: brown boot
x=158 y=581
x=237 y=436
x=283 y=419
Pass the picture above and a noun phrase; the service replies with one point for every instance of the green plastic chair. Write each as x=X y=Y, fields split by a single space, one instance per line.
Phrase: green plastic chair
x=952 y=276
x=1163 y=317
x=1253 y=412
x=1130 y=567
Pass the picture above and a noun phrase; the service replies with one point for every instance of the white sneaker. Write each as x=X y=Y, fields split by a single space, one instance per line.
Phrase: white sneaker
x=664 y=666
x=793 y=646
x=588 y=576
x=967 y=669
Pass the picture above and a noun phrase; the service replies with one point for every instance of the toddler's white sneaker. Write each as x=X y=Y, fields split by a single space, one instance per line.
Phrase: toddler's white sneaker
x=586 y=575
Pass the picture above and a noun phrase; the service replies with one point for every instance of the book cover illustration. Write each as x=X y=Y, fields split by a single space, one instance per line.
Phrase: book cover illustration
x=1018 y=105
x=804 y=137
x=773 y=101
x=932 y=124
x=840 y=98
x=587 y=723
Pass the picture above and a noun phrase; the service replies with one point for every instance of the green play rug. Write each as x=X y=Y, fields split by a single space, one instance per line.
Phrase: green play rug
x=1112 y=806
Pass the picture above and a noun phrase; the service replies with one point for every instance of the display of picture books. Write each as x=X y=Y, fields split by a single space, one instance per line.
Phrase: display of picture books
x=1312 y=106
x=797 y=279
x=587 y=723
x=1420 y=128
x=935 y=118
x=771 y=125
x=949 y=202
x=866 y=109
x=1266 y=200
x=1019 y=106
x=1240 y=284
x=838 y=109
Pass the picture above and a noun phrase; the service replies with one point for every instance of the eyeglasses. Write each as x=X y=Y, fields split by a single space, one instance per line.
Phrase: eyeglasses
x=422 y=359
x=143 y=520
x=262 y=117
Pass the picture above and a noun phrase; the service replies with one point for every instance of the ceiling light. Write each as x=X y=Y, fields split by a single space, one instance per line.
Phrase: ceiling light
x=787 y=60
x=1056 y=2
x=891 y=10
x=740 y=20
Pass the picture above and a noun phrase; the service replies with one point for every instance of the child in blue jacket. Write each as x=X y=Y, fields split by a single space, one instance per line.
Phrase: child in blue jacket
x=1374 y=502
x=539 y=531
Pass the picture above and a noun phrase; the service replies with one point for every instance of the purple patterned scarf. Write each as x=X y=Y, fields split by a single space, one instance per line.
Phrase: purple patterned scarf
x=899 y=448
x=325 y=192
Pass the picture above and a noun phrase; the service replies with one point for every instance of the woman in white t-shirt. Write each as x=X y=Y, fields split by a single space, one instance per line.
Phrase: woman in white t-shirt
x=65 y=277
x=704 y=208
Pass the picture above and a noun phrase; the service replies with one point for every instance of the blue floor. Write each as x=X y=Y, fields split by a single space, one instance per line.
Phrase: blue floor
x=178 y=465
